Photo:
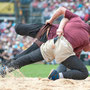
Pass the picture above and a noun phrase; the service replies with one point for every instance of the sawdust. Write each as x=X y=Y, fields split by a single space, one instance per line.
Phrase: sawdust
x=24 y=83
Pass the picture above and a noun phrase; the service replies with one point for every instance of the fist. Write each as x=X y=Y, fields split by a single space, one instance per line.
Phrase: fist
x=59 y=32
x=48 y=21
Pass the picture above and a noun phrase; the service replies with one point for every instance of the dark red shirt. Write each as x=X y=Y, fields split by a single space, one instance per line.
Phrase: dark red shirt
x=75 y=31
x=52 y=32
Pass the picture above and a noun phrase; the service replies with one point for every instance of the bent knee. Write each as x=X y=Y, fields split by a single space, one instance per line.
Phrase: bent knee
x=85 y=74
x=17 y=28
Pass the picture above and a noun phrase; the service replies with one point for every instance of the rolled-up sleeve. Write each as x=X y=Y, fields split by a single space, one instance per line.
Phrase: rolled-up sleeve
x=70 y=15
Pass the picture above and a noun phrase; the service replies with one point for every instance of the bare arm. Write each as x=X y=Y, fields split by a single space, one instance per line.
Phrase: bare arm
x=63 y=23
x=60 y=11
x=61 y=26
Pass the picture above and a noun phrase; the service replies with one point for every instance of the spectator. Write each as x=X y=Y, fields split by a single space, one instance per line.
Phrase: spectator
x=79 y=7
x=9 y=37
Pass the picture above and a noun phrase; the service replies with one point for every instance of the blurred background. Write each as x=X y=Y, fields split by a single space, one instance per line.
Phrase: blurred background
x=33 y=11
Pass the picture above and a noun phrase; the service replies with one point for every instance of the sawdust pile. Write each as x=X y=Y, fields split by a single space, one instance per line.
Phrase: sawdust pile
x=24 y=83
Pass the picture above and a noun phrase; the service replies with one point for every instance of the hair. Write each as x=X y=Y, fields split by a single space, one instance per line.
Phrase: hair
x=88 y=22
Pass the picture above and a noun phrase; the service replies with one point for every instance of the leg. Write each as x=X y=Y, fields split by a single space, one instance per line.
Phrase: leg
x=28 y=29
x=30 y=49
x=29 y=58
x=78 y=69
x=61 y=68
x=21 y=29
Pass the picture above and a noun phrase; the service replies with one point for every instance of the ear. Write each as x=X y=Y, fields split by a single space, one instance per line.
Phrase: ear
x=87 y=48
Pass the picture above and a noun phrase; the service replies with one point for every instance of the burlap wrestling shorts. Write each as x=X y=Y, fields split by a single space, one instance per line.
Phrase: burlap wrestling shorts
x=63 y=49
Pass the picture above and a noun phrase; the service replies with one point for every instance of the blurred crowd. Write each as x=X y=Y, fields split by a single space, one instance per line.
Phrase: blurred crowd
x=48 y=7
x=11 y=44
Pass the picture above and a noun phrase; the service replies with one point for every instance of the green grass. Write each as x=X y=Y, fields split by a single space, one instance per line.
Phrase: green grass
x=88 y=67
x=38 y=70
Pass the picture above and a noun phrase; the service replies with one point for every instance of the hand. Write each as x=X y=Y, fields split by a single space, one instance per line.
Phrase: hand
x=59 y=32
x=49 y=21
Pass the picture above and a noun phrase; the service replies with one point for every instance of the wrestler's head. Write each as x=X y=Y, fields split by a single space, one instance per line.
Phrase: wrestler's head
x=88 y=22
x=87 y=48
